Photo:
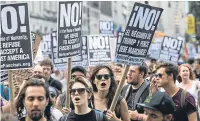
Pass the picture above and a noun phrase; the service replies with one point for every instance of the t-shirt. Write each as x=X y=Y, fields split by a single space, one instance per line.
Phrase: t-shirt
x=23 y=119
x=182 y=114
x=91 y=116
x=131 y=98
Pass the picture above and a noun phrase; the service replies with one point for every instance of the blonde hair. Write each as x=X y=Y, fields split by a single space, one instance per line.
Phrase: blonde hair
x=192 y=76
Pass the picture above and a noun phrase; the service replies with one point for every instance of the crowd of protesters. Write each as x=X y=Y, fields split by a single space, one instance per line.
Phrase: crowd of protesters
x=157 y=91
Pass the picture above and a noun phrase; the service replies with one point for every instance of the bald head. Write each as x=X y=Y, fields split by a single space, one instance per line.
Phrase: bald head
x=38 y=70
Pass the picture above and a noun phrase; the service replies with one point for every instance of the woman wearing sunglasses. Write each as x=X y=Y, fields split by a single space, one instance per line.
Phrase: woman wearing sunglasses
x=104 y=87
x=81 y=93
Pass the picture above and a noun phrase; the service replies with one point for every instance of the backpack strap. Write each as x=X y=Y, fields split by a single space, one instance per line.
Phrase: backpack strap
x=183 y=95
x=139 y=92
x=127 y=89
x=99 y=115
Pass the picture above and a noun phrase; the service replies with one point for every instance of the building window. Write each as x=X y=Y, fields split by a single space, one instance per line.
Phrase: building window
x=94 y=4
x=169 y=4
x=106 y=8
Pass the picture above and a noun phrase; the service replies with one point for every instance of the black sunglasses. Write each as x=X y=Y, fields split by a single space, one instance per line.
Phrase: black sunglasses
x=158 y=75
x=79 y=90
x=105 y=76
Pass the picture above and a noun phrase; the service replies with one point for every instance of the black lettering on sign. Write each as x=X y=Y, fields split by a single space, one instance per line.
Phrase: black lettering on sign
x=138 y=34
x=69 y=28
x=16 y=43
x=99 y=50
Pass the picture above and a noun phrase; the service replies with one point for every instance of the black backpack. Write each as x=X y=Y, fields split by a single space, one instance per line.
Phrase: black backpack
x=99 y=116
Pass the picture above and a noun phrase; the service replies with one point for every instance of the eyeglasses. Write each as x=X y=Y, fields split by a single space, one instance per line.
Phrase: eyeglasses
x=159 y=75
x=79 y=90
x=105 y=76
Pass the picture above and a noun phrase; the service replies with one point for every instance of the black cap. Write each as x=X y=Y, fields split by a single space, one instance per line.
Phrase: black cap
x=159 y=101
x=79 y=69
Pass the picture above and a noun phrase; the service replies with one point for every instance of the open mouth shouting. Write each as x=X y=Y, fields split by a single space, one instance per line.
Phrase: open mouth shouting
x=77 y=99
x=103 y=84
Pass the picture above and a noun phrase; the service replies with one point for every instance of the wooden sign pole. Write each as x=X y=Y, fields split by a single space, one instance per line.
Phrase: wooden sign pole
x=67 y=102
x=117 y=93
x=10 y=79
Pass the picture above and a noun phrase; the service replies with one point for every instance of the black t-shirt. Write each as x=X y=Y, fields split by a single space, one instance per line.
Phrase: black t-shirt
x=23 y=119
x=131 y=98
x=91 y=116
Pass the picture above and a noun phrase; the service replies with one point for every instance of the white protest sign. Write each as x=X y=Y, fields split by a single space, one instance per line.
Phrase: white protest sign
x=106 y=27
x=16 y=44
x=99 y=50
x=170 y=50
x=69 y=28
x=45 y=45
x=155 y=47
x=138 y=34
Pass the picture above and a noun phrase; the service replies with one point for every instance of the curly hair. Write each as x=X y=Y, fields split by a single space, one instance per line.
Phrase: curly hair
x=192 y=76
x=33 y=83
x=112 y=87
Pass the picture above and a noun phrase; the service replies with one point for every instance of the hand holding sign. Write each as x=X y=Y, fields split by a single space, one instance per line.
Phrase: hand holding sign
x=136 y=39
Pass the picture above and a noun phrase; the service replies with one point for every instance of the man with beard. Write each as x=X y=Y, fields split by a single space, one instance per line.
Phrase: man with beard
x=35 y=101
x=136 y=91
x=158 y=107
x=47 y=70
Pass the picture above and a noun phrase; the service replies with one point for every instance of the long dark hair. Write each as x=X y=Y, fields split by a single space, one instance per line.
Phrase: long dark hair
x=112 y=87
x=20 y=104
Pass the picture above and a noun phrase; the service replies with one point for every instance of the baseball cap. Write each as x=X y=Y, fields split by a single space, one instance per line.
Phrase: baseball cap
x=159 y=101
x=79 y=69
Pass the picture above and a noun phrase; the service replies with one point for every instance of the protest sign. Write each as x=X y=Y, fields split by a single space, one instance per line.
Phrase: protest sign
x=69 y=28
x=99 y=50
x=138 y=34
x=106 y=27
x=155 y=48
x=81 y=59
x=170 y=49
x=119 y=39
x=16 y=52
x=4 y=76
x=45 y=45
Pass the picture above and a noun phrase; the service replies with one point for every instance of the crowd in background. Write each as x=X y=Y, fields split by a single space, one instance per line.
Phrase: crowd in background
x=92 y=91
